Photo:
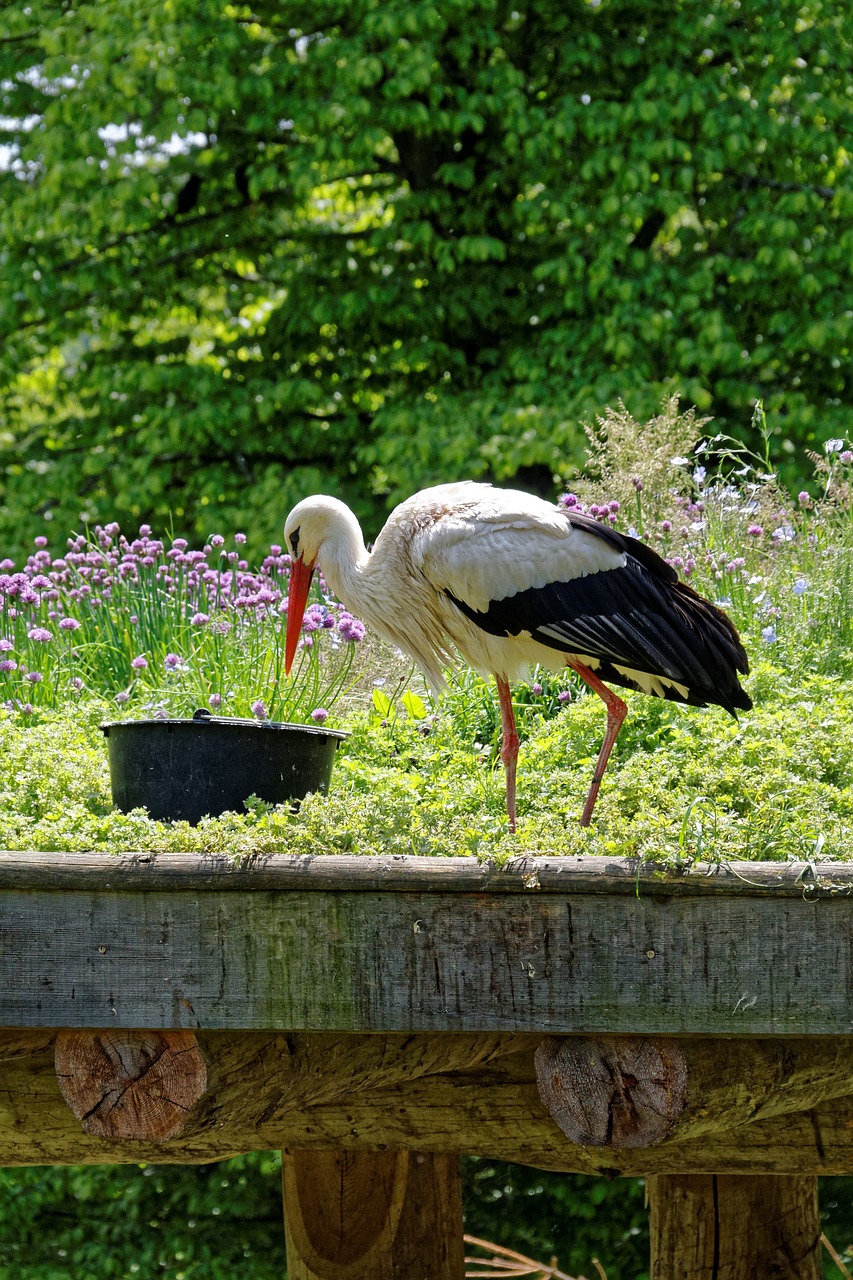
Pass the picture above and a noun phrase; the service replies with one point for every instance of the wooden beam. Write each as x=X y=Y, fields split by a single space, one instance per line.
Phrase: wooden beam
x=632 y=1091
x=294 y=944
x=372 y=1216
x=440 y=1093
x=348 y=873
x=133 y=1085
x=725 y=1228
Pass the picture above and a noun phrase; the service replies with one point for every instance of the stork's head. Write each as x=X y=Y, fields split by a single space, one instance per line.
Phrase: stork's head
x=312 y=528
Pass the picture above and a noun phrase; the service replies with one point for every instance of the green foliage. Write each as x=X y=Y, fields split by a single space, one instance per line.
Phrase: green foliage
x=206 y=1222
x=570 y=1216
x=371 y=248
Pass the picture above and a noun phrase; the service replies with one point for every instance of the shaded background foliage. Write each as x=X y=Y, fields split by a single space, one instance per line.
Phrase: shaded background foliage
x=366 y=247
x=250 y=253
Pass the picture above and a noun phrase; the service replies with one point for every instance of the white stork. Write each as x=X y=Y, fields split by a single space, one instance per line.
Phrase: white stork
x=507 y=580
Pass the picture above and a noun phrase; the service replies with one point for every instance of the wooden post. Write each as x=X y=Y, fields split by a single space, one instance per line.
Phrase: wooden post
x=364 y=1215
x=727 y=1227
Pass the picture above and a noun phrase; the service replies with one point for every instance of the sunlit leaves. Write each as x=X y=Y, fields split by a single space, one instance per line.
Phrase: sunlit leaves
x=427 y=220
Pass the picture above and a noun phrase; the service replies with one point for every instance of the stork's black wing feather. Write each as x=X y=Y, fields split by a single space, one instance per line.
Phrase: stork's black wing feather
x=638 y=616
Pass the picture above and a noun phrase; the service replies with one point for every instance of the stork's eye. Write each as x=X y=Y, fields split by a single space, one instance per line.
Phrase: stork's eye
x=294 y=543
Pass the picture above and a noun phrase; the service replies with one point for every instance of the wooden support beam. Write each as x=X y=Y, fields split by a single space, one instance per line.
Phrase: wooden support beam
x=372 y=1216
x=718 y=1227
x=441 y=1093
x=636 y=1091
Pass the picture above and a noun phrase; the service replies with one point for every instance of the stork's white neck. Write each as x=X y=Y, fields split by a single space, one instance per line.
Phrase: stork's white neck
x=343 y=557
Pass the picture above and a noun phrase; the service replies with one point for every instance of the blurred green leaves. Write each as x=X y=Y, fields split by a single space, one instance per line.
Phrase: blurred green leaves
x=244 y=255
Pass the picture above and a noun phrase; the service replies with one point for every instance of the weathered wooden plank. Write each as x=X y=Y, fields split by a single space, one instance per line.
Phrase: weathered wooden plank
x=726 y=964
x=445 y=1094
x=351 y=874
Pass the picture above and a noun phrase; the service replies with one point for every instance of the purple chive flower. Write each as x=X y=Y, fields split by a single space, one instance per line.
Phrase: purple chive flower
x=259 y=710
x=5 y=645
x=755 y=531
x=214 y=701
x=8 y=665
x=41 y=541
x=200 y=619
x=239 y=537
x=76 y=682
x=140 y=663
x=846 y=456
x=804 y=498
x=569 y=500
x=122 y=698
x=350 y=628
x=536 y=689
x=41 y=635
x=564 y=696
x=319 y=715
x=34 y=677
x=69 y=624
x=173 y=660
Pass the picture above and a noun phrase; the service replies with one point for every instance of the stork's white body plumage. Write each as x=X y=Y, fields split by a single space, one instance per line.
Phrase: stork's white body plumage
x=505 y=580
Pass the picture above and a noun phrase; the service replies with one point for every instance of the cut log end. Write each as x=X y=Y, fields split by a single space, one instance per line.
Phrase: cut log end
x=612 y=1091
x=131 y=1085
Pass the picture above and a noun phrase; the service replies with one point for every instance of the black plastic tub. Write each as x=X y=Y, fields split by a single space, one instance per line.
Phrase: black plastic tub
x=186 y=769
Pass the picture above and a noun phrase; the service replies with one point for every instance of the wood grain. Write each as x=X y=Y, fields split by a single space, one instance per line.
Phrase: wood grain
x=613 y=1091
x=131 y=955
x=348 y=873
x=634 y=1091
x=726 y=1228
x=467 y=1094
x=133 y=1085
x=372 y=1216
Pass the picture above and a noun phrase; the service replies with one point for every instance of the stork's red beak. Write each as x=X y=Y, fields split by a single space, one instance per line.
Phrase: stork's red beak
x=300 y=583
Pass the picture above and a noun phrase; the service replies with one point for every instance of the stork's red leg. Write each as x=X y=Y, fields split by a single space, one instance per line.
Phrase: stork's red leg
x=616 y=713
x=509 y=746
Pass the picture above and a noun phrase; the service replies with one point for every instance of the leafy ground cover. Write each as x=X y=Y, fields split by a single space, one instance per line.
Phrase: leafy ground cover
x=684 y=783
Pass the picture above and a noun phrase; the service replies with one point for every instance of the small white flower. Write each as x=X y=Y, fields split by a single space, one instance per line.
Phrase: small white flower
x=833 y=446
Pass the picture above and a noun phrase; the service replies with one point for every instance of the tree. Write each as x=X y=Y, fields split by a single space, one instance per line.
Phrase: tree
x=253 y=252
